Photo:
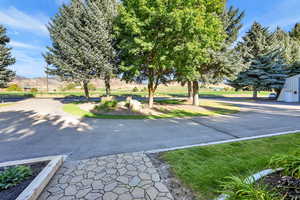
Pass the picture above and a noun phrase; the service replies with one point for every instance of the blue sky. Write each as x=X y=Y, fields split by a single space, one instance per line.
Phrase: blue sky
x=26 y=19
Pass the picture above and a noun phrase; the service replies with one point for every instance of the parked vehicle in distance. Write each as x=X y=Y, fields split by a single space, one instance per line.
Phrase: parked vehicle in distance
x=272 y=96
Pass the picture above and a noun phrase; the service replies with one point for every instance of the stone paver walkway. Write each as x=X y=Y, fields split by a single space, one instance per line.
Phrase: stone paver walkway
x=118 y=177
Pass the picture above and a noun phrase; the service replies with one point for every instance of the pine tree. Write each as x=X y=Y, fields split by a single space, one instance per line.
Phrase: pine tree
x=6 y=75
x=295 y=33
x=82 y=42
x=257 y=42
x=267 y=71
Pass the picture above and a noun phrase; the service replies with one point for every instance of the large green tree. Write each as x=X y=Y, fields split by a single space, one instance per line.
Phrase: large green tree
x=198 y=30
x=82 y=42
x=143 y=32
x=6 y=59
x=256 y=44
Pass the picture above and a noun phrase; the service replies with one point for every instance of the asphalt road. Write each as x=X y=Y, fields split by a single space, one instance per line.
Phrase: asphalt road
x=39 y=127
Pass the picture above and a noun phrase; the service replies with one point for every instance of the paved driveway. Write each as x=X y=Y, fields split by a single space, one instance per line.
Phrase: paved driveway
x=39 y=127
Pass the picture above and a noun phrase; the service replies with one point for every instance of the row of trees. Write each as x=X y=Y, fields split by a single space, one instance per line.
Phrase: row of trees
x=270 y=58
x=157 y=41
x=153 y=41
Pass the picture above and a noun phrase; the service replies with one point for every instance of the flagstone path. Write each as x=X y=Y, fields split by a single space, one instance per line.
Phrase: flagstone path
x=118 y=177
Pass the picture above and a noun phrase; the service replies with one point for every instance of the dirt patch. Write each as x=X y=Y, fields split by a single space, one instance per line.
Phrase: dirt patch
x=287 y=186
x=13 y=192
x=175 y=186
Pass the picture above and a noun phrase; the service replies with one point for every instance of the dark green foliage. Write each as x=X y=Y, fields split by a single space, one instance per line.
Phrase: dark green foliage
x=13 y=176
x=6 y=75
x=82 y=41
x=290 y=163
x=295 y=33
x=267 y=65
x=135 y=89
x=237 y=189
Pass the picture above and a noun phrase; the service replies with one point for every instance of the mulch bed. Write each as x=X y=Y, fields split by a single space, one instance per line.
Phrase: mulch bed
x=287 y=186
x=13 y=192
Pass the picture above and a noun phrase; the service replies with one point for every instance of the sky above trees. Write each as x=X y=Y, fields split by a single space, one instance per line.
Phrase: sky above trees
x=25 y=22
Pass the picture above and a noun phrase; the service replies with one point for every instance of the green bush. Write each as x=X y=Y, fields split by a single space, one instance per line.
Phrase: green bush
x=144 y=89
x=107 y=105
x=135 y=89
x=13 y=176
x=290 y=163
x=14 y=88
x=34 y=90
x=238 y=189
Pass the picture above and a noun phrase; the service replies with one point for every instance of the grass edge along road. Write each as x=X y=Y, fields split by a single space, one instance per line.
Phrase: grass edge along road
x=216 y=109
x=204 y=168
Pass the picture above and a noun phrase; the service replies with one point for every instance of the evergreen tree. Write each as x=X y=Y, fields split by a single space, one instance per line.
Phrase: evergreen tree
x=267 y=71
x=6 y=75
x=256 y=44
x=82 y=42
x=295 y=33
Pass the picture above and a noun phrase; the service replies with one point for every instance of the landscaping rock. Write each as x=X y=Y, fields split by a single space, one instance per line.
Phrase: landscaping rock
x=135 y=105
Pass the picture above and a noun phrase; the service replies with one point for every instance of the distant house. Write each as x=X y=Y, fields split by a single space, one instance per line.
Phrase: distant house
x=291 y=90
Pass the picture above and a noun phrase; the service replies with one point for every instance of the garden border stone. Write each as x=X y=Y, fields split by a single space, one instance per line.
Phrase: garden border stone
x=36 y=187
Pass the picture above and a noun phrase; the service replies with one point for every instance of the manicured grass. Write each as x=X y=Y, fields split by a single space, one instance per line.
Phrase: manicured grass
x=161 y=91
x=203 y=168
x=213 y=108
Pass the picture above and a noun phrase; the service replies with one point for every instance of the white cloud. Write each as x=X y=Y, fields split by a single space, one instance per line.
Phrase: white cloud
x=17 y=19
x=22 y=45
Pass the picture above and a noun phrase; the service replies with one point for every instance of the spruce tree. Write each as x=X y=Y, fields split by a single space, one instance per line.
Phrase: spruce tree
x=82 y=42
x=295 y=32
x=6 y=59
x=256 y=44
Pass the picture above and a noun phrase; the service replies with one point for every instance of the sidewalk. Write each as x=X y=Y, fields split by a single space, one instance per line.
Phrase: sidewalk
x=118 y=177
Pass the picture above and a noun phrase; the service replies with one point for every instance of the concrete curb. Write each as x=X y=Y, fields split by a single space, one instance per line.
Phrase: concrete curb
x=223 y=142
x=36 y=187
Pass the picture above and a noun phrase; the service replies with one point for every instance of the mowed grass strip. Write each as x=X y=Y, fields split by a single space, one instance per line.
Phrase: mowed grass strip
x=211 y=108
x=203 y=168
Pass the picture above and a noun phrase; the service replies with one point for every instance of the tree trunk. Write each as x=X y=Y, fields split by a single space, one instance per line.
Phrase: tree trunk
x=86 y=89
x=255 y=94
x=107 y=85
x=190 y=91
x=195 y=93
x=151 y=94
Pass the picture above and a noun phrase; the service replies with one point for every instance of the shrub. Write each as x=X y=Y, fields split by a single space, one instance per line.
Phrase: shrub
x=290 y=163
x=13 y=176
x=14 y=87
x=135 y=89
x=107 y=105
x=237 y=189
x=34 y=90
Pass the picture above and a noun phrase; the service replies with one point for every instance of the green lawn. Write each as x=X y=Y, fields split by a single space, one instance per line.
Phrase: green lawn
x=211 y=108
x=162 y=91
x=203 y=168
